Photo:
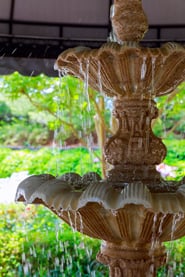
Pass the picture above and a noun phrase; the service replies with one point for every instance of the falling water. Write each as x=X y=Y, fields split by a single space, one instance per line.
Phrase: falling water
x=77 y=223
x=160 y=231
x=13 y=52
x=57 y=143
x=73 y=226
x=88 y=120
x=172 y=268
x=81 y=221
x=143 y=68
x=154 y=235
x=153 y=77
x=87 y=112
x=86 y=85
x=176 y=219
x=85 y=75
x=147 y=137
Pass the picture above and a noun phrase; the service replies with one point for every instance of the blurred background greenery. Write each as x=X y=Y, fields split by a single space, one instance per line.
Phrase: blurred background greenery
x=53 y=125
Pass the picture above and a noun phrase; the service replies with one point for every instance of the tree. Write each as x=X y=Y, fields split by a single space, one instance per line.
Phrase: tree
x=171 y=120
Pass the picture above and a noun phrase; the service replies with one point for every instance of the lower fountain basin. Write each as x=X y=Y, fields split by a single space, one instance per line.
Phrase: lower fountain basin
x=101 y=209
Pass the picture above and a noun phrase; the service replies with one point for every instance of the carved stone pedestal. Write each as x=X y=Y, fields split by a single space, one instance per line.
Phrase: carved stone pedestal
x=133 y=151
x=124 y=261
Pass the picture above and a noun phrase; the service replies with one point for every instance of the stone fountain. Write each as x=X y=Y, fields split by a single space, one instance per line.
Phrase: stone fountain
x=132 y=210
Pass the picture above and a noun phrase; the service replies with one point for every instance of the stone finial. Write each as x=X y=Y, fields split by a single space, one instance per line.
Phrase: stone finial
x=129 y=20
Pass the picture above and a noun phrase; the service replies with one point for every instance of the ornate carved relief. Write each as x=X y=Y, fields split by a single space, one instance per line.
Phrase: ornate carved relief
x=134 y=142
x=134 y=263
x=127 y=70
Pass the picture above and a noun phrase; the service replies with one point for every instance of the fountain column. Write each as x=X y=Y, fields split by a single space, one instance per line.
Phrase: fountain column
x=132 y=154
x=124 y=261
x=134 y=150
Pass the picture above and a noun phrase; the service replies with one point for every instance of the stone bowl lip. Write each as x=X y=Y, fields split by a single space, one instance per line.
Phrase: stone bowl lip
x=113 y=58
x=61 y=195
x=117 y=48
x=108 y=205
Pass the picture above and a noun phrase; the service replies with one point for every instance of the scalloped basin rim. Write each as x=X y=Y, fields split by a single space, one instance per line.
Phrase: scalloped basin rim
x=61 y=196
x=114 y=46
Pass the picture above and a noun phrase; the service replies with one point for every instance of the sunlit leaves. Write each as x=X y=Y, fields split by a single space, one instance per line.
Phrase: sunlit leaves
x=63 y=98
x=171 y=121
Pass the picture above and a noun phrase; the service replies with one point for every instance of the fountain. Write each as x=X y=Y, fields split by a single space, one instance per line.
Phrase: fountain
x=132 y=209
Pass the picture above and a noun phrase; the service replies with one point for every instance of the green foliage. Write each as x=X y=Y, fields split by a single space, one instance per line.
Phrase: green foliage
x=176 y=259
x=64 y=105
x=171 y=122
x=64 y=101
x=79 y=160
x=21 y=133
x=5 y=111
x=176 y=156
x=37 y=243
x=10 y=241
x=46 y=160
x=21 y=124
x=20 y=106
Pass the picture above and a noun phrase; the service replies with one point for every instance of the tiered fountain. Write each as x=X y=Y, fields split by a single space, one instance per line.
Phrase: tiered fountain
x=132 y=210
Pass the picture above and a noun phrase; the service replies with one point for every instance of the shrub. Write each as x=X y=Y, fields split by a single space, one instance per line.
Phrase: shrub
x=20 y=133
x=47 y=160
x=79 y=160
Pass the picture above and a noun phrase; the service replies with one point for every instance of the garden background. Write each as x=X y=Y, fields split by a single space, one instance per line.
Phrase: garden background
x=58 y=125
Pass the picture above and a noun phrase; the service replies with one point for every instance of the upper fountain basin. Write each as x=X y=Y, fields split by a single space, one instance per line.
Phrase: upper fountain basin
x=126 y=70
